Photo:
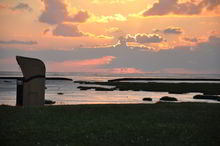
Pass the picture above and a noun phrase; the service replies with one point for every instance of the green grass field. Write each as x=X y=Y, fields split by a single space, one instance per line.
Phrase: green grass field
x=133 y=124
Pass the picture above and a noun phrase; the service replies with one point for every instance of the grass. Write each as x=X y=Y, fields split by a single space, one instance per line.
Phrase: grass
x=134 y=124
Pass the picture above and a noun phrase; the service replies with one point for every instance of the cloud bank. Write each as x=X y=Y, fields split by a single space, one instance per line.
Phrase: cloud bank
x=192 y=40
x=200 y=57
x=17 y=42
x=143 y=38
x=67 y=30
x=55 y=12
x=22 y=6
x=165 y=7
x=173 y=30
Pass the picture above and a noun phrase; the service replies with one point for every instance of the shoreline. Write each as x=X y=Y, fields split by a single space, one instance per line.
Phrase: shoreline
x=173 y=88
x=204 y=101
x=47 y=78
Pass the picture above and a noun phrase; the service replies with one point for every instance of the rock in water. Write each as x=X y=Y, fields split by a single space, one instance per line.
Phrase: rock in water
x=60 y=93
x=207 y=97
x=47 y=101
x=147 y=99
x=167 y=98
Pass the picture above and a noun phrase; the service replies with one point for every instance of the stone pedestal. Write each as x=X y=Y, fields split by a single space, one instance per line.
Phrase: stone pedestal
x=33 y=81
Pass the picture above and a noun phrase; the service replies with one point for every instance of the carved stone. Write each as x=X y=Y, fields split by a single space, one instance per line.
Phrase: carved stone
x=33 y=81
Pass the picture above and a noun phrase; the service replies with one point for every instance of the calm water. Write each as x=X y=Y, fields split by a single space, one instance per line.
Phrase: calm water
x=72 y=95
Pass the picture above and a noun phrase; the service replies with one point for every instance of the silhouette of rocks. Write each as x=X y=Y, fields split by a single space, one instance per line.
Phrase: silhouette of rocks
x=172 y=88
x=207 y=97
x=47 y=101
x=6 y=81
x=168 y=98
x=147 y=99
x=60 y=93
x=95 y=88
x=177 y=92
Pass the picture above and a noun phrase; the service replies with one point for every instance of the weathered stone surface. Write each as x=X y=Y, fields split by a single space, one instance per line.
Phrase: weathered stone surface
x=33 y=82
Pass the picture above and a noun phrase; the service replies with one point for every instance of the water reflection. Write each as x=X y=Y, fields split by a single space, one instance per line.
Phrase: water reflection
x=72 y=95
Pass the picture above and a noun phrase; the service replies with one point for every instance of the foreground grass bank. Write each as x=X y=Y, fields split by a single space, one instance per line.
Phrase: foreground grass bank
x=138 y=124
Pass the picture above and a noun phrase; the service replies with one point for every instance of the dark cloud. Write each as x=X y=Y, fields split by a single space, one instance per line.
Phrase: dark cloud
x=164 y=7
x=81 y=16
x=46 y=31
x=122 y=42
x=140 y=38
x=213 y=44
x=13 y=42
x=130 y=38
x=173 y=30
x=161 y=8
x=55 y=12
x=22 y=6
x=143 y=38
x=148 y=38
x=210 y=4
x=193 y=40
x=156 y=30
x=67 y=30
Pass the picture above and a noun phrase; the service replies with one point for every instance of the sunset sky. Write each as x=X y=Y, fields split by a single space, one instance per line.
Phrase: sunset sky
x=112 y=36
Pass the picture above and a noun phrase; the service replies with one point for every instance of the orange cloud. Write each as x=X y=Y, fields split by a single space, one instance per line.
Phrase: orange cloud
x=111 y=1
x=3 y=6
x=80 y=65
x=125 y=70
x=90 y=65
x=117 y=70
x=94 y=62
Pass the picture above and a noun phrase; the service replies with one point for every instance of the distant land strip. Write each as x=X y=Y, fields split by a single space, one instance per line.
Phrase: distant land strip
x=163 y=79
x=47 y=78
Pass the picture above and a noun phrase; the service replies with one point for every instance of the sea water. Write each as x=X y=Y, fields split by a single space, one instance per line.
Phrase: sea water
x=72 y=95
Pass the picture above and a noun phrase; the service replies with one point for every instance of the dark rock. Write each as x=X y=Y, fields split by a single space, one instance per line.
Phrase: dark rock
x=210 y=93
x=177 y=88
x=167 y=98
x=47 y=101
x=177 y=92
x=96 y=88
x=207 y=97
x=6 y=81
x=147 y=99
x=60 y=93
x=104 y=89
x=83 y=88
